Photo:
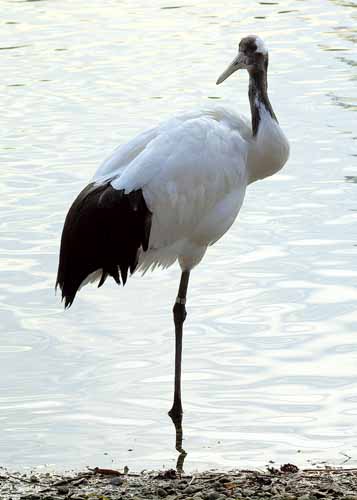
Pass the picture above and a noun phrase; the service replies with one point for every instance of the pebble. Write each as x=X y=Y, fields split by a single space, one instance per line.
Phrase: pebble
x=218 y=486
x=247 y=485
x=212 y=495
x=55 y=497
x=191 y=489
x=319 y=494
x=117 y=481
x=63 y=490
x=248 y=492
x=225 y=479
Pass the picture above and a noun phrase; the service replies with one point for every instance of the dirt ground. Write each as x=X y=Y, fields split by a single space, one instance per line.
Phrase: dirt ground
x=286 y=483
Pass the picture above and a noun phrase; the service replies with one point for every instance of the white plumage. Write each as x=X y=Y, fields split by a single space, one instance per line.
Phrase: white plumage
x=172 y=191
x=193 y=172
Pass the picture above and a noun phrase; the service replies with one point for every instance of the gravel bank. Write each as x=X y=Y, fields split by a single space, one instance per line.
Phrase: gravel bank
x=287 y=483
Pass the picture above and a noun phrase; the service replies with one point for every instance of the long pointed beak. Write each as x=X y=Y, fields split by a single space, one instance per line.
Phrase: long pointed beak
x=236 y=64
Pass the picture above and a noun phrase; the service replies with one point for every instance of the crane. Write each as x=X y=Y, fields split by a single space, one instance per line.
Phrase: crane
x=171 y=192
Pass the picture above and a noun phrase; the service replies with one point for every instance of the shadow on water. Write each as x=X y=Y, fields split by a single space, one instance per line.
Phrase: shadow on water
x=177 y=421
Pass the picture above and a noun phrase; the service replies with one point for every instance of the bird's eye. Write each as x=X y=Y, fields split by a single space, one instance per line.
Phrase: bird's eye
x=251 y=48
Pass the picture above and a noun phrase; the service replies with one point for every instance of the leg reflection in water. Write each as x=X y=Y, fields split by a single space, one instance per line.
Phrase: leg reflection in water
x=177 y=421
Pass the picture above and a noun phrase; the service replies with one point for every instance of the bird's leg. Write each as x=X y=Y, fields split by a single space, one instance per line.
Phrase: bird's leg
x=175 y=413
x=179 y=311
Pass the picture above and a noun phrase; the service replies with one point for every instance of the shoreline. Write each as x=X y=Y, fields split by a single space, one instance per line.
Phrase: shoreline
x=287 y=483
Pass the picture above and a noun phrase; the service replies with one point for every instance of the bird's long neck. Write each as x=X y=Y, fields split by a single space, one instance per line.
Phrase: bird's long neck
x=258 y=97
x=269 y=149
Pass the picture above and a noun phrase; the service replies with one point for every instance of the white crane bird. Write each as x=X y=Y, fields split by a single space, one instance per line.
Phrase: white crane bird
x=171 y=192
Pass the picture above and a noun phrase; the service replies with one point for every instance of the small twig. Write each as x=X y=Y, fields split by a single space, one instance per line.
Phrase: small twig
x=110 y=472
x=78 y=478
x=106 y=472
x=334 y=470
x=79 y=481
x=10 y=476
x=192 y=479
x=62 y=482
x=249 y=471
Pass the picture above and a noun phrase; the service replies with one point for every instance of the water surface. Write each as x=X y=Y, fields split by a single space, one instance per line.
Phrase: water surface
x=270 y=344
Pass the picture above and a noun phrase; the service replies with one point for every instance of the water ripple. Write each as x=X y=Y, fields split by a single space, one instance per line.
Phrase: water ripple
x=269 y=346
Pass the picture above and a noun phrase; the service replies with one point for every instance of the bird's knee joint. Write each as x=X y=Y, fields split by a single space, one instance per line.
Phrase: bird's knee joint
x=179 y=311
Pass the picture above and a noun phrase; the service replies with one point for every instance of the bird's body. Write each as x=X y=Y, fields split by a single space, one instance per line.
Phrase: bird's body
x=172 y=191
x=193 y=173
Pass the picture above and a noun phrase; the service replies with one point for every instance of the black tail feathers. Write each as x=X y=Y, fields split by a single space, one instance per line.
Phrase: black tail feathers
x=104 y=229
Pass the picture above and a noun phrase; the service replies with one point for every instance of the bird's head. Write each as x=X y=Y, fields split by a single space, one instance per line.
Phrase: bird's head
x=252 y=55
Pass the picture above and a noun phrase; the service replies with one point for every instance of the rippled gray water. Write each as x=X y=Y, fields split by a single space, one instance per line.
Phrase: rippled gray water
x=270 y=346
